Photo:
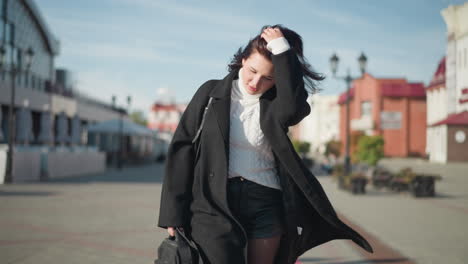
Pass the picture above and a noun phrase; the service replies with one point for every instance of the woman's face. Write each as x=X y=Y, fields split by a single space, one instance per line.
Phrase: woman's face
x=257 y=74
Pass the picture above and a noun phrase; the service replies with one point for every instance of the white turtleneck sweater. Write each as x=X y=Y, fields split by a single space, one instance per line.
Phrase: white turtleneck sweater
x=250 y=154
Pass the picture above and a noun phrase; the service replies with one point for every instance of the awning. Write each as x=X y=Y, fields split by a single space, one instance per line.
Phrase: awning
x=454 y=119
x=113 y=126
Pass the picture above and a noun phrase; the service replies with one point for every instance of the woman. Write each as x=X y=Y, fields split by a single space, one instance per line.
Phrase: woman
x=247 y=197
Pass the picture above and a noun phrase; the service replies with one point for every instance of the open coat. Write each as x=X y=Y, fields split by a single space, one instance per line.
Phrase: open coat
x=194 y=188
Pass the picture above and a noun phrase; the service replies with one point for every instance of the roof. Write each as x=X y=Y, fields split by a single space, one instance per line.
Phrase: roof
x=390 y=88
x=165 y=107
x=403 y=90
x=342 y=98
x=52 y=43
x=439 y=76
x=113 y=126
x=454 y=119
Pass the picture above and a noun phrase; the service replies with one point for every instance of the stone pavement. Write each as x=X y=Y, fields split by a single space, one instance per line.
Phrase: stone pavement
x=111 y=218
x=428 y=230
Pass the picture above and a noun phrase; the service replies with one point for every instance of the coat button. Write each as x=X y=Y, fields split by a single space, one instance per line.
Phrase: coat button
x=211 y=174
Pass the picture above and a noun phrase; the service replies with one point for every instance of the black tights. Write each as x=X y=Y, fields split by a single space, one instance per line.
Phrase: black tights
x=262 y=250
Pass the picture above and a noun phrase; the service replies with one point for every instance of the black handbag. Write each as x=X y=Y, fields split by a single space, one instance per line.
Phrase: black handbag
x=178 y=249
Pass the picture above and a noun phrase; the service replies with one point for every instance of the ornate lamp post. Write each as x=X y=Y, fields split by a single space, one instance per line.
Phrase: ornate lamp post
x=121 y=138
x=121 y=135
x=15 y=69
x=334 y=60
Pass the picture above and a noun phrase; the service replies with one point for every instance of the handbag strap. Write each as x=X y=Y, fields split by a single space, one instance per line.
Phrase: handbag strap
x=189 y=241
x=203 y=121
x=186 y=255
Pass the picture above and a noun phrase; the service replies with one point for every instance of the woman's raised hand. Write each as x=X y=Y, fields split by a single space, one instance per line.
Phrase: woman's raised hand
x=271 y=33
x=171 y=230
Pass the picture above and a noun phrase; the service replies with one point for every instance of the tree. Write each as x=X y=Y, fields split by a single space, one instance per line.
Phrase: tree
x=139 y=118
x=370 y=149
x=353 y=148
x=333 y=147
x=301 y=147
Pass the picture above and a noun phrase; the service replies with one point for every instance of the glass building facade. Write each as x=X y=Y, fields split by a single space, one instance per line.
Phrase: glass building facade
x=21 y=27
x=39 y=91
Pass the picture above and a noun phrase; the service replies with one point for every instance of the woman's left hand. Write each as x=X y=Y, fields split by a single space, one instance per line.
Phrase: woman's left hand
x=270 y=34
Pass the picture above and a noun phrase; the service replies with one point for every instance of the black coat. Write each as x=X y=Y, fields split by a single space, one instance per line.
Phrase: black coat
x=194 y=192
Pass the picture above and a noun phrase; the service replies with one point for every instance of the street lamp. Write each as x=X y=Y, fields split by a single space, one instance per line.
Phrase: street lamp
x=122 y=142
x=15 y=70
x=334 y=60
x=121 y=137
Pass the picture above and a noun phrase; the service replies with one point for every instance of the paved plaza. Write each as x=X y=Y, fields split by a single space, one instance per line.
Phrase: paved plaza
x=111 y=218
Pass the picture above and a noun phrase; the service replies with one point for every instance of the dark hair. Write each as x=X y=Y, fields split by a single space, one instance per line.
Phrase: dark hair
x=260 y=45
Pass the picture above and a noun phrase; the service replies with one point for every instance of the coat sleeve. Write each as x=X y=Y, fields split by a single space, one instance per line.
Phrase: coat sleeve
x=176 y=193
x=290 y=104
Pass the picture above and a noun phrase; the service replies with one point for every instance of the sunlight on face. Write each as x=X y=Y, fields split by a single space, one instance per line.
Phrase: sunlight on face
x=257 y=74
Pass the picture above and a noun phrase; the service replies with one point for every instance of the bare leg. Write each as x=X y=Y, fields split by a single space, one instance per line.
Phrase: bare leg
x=262 y=250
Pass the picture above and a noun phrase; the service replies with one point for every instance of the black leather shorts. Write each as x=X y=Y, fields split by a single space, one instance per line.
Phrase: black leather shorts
x=258 y=208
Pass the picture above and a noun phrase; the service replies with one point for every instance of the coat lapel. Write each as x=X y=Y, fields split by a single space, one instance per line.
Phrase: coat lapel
x=222 y=107
x=222 y=104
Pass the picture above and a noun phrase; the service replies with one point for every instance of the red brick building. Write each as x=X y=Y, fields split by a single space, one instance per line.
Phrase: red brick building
x=393 y=108
x=165 y=117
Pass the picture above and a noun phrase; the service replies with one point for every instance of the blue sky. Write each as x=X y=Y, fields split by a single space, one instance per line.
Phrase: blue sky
x=155 y=50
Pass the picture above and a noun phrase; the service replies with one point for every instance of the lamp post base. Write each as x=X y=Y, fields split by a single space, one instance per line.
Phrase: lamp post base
x=347 y=165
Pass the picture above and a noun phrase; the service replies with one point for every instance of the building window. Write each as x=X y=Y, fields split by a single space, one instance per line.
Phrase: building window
x=8 y=54
x=9 y=33
x=366 y=108
x=2 y=9
x=2 y=29
x=19 y=79
x=14 y=55
x=17 y=56
x=38 y=83
x=26 y=80
x=459 y=62
x=464 y=57
x=33 y=81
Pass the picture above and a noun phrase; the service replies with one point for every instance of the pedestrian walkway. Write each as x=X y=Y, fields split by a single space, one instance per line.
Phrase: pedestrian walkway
x=452 y=169
x=111 y=218
x=426 y=230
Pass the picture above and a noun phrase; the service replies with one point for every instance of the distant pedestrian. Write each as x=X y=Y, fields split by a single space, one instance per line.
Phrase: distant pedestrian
x=248 y=198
